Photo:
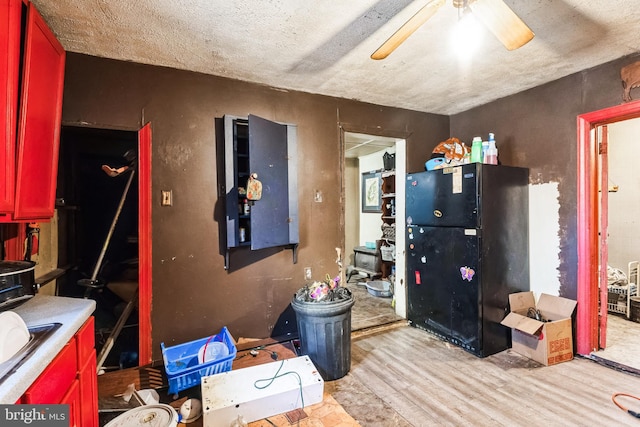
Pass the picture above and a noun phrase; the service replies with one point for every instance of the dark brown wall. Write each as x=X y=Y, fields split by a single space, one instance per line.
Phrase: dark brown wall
x=537 y=129
x=193 y=295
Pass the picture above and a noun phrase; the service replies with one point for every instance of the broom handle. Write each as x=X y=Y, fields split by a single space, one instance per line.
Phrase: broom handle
x=113 y=226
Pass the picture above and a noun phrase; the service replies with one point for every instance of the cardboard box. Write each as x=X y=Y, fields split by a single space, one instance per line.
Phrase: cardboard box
x=548 y=341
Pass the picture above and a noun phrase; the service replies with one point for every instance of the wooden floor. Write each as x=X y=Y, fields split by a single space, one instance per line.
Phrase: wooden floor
x=623 y=344
x=414 y=379
x=402 y=376
x=406 y=377
x=369 y=310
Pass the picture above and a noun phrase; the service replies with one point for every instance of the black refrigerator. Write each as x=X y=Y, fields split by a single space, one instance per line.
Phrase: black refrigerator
x=467 y=249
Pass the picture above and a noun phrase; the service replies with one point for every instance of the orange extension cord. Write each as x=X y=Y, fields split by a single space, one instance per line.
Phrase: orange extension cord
x=629 y=411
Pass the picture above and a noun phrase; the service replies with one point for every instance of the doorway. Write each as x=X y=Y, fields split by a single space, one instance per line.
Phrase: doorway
x=364 y=156
x=620 y=258
x=592 y=317
x=102 y=203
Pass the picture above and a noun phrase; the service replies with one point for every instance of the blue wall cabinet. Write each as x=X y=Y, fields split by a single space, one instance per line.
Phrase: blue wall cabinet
x=256 y=146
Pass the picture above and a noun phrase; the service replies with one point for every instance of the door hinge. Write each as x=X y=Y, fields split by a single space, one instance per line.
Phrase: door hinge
x=602 y=148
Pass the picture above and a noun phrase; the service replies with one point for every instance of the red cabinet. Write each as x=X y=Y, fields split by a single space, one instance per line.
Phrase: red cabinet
x=87 y=374
x=33 y=111
x=73 y=398
x=10 y=30
x=71 y=379
x=56 y=379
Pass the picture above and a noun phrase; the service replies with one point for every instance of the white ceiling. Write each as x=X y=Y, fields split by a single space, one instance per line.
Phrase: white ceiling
x=358 y=144
x=323 y=47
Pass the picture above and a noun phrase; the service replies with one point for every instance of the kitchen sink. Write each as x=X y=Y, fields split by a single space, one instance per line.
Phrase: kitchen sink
x=38 y=334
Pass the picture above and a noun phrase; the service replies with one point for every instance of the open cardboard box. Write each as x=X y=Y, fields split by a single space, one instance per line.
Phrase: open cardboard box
x=547 y=342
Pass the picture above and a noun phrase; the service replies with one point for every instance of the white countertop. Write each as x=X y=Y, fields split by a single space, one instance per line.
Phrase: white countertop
x=40 y=310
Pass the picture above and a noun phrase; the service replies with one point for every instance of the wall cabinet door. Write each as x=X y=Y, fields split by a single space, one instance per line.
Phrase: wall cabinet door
x=39 y=122
x=10 y=23
x=32 y=107
x=255 y=145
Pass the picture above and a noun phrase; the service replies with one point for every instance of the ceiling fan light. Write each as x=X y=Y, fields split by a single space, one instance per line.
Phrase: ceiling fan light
x=467 y=36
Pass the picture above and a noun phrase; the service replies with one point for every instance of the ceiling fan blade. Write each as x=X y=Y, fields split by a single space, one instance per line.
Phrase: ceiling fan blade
x=502 y=22
x=407 y=29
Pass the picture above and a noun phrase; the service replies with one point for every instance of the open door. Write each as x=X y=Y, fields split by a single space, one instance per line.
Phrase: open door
x=602 y=139
x=271 y=216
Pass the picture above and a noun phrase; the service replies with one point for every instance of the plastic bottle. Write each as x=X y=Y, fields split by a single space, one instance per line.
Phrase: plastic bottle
x=476 y=150
x=467 y=154
x=485 y=147
x=245 y=207
x=491 y=156
x=491 y=140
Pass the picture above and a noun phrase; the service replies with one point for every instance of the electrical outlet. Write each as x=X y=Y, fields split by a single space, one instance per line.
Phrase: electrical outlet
x=167 y=198
x=307 y=273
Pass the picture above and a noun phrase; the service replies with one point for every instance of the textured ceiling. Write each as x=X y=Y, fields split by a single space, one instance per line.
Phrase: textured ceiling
x=358 y=144
x=323 y=47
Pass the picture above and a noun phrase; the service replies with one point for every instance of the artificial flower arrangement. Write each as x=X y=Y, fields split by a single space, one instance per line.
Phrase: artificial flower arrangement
x=327 y=290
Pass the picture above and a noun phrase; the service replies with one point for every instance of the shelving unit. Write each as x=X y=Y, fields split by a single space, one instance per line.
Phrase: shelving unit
x=387 y=248
x=242 y=175
x=268 y=149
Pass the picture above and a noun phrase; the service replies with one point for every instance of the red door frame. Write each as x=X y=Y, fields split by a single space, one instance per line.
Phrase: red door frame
x=587 y=324
x=144 y=245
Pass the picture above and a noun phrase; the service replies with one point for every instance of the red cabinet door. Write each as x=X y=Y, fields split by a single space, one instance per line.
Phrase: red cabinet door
x=56 y=379
x=39 y=120
x=10 y=23
x=72 y=398
x=87 y=374
x=88 y=380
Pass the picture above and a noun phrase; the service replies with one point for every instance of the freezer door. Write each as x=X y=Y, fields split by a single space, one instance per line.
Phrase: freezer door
x=444 y=198
x=428 y=296
x=443 y=276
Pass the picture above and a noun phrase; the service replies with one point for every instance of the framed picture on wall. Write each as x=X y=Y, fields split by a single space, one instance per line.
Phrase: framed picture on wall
x=371 y=192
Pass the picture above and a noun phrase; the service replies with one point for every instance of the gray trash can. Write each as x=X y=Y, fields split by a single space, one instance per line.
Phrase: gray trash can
x=325 y=335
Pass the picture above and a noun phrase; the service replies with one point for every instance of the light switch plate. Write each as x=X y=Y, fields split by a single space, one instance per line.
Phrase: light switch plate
x=167 y=198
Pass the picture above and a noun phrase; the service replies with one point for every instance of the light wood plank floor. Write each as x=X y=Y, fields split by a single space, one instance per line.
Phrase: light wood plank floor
x=623 y=344
x=403 y=376
x=369 y=310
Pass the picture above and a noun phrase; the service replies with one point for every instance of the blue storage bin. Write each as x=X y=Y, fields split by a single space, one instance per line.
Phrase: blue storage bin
x=181 y=361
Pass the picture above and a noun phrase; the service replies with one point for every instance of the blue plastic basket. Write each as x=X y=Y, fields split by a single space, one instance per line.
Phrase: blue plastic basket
x=181 y=361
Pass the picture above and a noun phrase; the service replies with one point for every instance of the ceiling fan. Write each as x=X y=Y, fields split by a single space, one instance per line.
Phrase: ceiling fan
x=494 y=14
